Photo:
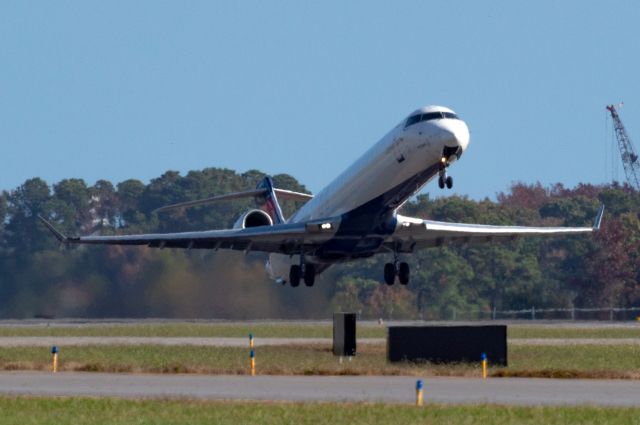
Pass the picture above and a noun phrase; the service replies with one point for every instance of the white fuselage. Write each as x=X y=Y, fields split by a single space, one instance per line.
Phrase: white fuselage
x=403 y=153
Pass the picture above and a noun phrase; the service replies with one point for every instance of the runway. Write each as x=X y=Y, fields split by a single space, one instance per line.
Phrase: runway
x=519 y=391
x=48 y=341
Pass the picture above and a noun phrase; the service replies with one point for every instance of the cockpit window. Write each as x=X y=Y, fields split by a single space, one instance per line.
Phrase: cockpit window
x=412 y=120
x=429 y=116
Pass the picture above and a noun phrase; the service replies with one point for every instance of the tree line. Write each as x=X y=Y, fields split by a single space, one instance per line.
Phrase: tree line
x=40 y=278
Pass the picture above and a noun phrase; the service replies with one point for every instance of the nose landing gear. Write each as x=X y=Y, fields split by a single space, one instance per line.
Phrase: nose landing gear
x=443 y=179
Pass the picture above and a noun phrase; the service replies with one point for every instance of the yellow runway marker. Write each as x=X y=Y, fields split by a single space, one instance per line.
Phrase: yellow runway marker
x=54 y=360
x=253 y=363
x=419 y=393
x=483 y=357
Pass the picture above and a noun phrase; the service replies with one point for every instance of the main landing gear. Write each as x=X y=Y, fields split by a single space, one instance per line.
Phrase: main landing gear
x=391 y=270
x=306 y=272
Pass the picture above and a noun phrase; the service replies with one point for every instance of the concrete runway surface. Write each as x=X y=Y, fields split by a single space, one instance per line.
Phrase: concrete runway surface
x=393 y=389
x=47 y=341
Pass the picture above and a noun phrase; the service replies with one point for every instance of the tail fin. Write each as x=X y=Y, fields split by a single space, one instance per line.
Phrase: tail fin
x=268 y=202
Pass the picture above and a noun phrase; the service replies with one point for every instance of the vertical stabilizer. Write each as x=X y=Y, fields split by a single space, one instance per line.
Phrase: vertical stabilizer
x=269 y=201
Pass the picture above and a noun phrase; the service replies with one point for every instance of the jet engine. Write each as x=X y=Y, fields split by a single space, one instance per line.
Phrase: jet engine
x=253 y=218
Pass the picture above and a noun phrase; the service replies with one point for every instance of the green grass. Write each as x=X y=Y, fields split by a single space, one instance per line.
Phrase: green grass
x=90 y=411
x=285 y=330
x=528 y=331
x=573 y=361
x=585 y=361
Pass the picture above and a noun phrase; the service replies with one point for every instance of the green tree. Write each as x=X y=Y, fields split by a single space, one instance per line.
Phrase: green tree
x=129 y=193
x=104 y=204
x=439 y=279
x=3 y=218
x=24 y=234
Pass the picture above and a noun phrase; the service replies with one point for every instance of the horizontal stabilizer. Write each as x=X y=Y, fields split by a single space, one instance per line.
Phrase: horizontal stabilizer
x=281 y=193
x=292 y=196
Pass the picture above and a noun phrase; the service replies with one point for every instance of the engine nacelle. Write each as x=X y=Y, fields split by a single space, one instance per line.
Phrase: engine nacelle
x=253 y=218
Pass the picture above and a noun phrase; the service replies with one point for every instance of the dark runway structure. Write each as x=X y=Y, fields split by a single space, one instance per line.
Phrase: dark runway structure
x=392 y=389
x=447 y=344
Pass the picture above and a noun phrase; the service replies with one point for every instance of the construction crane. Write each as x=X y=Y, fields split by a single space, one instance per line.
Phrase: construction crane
x=628 y=153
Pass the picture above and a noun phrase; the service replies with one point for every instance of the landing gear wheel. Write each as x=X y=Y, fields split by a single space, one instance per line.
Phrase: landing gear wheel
x=389 y=273
x=449 y=182
x=309 y=274
x=294 y=275
x=403 y=273
x=441 y=182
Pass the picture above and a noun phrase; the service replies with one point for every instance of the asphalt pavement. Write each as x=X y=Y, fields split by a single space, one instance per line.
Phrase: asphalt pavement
x=394 y=389
x=47 y=341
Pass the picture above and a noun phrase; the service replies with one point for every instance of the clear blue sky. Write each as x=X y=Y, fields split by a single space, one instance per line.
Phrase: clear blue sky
x=131 y=89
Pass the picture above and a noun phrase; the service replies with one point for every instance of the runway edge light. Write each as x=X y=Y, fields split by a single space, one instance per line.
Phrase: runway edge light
x=483 y=358
x=419 y=392
x=252 y=356
x=54 y=359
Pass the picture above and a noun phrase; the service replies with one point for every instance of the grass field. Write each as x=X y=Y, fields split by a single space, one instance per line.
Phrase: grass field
x=289 y=330
x=585 y=361
x=90 y=411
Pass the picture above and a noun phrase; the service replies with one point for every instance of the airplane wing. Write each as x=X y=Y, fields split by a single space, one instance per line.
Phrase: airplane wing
x=411 y=234
x=415 y=233
x=279 y=238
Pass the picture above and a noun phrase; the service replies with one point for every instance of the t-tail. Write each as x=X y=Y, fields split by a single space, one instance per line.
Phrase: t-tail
x=268 y=201
x=265 y=194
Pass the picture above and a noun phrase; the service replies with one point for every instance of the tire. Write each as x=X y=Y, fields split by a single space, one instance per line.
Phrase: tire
x=404 y=273
x=441 y=182
x=309 y=274
x=294 y=275
x=389 y=274
x=449 y=182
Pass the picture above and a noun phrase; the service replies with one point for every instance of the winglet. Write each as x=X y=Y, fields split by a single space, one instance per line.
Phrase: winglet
x=596 y=224
x=61 y=237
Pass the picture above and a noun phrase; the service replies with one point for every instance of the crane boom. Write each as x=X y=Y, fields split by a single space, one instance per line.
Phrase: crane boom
x=628 y=153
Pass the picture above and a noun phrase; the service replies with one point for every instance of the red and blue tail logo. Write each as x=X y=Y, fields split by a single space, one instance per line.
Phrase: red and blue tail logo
x=269 y=202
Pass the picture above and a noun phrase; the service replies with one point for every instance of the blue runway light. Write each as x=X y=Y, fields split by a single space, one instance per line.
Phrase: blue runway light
x=54 y=349
x=252 y=354
x=419 y=393
x=483 y=358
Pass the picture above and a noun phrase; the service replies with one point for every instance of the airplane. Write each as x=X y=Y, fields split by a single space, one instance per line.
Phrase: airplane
x=355 y=216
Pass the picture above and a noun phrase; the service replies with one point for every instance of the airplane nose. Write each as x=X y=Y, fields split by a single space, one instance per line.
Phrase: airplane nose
x=455 y=133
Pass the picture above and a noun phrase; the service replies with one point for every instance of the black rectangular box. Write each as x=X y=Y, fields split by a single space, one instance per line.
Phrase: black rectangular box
x=344 y=334
x=447 y=344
